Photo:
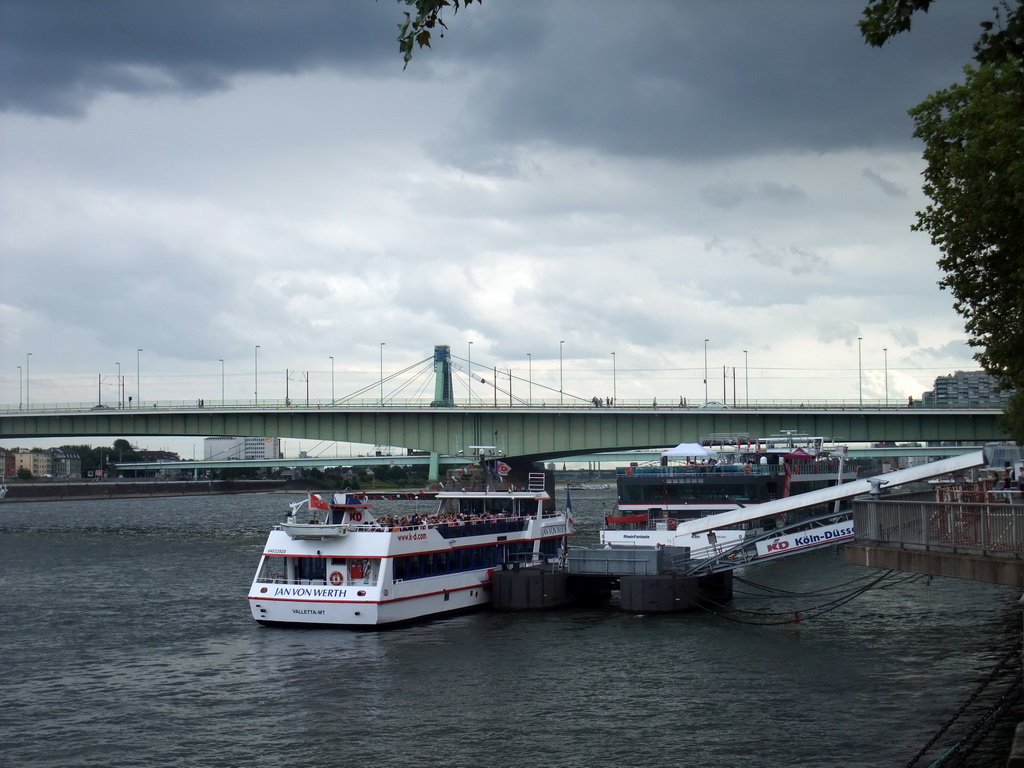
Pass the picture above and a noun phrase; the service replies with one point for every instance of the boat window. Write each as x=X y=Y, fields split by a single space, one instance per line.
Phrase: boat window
x=311 y=569
x=440 y=562
x=509 y=507
x=426 y=565
x=696 y=493
x=273 y=569
x=371 y=570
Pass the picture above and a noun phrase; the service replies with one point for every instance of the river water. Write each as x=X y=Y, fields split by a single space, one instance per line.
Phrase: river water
x=127 y=641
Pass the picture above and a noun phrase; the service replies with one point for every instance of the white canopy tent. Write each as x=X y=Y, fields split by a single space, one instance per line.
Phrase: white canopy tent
x=688 y=450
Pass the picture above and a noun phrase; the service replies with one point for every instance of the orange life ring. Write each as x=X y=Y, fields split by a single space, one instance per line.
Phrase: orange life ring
x=336 y=578
x=747 y=469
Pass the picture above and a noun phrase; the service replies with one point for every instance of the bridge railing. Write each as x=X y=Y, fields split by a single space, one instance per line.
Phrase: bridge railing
x=982 y=528
x=417 y=403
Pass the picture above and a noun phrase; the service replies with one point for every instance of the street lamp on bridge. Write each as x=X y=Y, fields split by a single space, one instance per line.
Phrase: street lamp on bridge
x=705 y=371
x=332 y=379
x=138 y=377
x=615 y=394
x=885 y=367
x=469 y=375
x=860 y=375
x=746 y=379
x=221 y=359
x=560 y=379
x=27 y=356
x=20 y=395
x=119 y=403
x=529 y=358
x=256 y=374
x=382 y=373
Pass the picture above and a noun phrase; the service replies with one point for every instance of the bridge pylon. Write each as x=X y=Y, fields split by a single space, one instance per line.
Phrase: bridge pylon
x=443 y=395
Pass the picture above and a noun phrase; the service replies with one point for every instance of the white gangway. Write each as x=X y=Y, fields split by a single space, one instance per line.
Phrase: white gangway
x=834 y=493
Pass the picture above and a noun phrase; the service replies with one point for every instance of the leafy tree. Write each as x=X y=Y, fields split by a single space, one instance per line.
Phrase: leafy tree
x=974 y=148
x=416 y=30
x=103 y=457
x=1012 y=420
x=23 y=473
x=1002 y=38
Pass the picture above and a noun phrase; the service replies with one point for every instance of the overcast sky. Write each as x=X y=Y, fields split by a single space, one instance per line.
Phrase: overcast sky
x=193 y=178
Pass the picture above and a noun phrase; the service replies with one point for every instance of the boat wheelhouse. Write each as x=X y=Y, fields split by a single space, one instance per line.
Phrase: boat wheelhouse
x=721 y=473
x=333 y=562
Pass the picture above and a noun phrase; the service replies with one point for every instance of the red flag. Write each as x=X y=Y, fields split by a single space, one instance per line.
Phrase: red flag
x=316 y=502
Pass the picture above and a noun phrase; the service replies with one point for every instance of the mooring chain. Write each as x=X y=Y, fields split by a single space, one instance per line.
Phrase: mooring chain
x=1009 y=698
x=1012 y=653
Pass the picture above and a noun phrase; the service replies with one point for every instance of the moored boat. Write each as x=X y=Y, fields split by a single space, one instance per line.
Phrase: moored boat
x=334 y=562
x=720 y=474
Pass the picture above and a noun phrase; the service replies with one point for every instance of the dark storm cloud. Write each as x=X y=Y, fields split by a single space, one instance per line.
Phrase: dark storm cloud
x=703 y=80
x=57 y=56
x=659 y=78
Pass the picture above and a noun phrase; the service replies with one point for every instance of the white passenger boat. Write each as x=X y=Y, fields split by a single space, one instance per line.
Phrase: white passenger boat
x=333 y=562
x=3 y=490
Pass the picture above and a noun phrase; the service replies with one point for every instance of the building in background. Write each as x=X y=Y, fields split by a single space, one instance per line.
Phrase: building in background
x=7 y=465
x=49 y=462
x=64 y=463
x=223 y=448
x=37 y=462
x=965 y=389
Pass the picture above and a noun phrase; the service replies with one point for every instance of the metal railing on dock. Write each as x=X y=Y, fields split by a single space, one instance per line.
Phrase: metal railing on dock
x=978 y=527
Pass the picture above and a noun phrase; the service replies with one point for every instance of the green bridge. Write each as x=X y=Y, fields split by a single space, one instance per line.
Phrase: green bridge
x=524 y=432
